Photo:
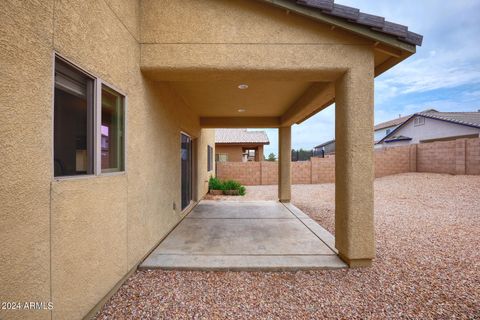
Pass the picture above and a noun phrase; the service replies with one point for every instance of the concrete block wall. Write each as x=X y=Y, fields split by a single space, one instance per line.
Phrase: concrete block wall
x=458 y=157
x=302 y=172
x=460 y=152
x=269 y=171
x=437 y=157
x=247 y=173
x=472 y=156
x=323 y=170
x=392 y=161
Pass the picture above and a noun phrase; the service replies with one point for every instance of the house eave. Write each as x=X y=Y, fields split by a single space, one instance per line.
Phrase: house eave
x=343 y=24
x=242 y=143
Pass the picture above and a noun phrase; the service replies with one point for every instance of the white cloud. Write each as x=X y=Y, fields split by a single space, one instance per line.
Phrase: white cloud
x=449 y=59
x=449 y=56
x=429 y=74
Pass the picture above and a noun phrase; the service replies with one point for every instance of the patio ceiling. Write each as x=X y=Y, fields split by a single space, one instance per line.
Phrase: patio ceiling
x=275 y=97
x=226 y=99
x=263 y=103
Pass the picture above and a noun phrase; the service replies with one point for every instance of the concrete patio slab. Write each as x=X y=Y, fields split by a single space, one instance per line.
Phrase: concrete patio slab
x=262 y=235
x=208 y=209
x=243 y=263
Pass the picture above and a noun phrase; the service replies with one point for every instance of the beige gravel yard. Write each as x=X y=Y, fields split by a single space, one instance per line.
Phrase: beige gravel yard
x=427 y=265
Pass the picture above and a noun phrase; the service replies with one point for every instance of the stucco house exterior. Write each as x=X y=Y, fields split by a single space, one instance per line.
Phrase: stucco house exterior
x=325 y=148
x=381 y=130
x=240 y=145
x=107 y=117
x=433 y=126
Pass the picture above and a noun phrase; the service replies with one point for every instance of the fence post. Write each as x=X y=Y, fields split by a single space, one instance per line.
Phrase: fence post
x=261 y=173
x=413 y=158
x=311 y=170
x=460 y=153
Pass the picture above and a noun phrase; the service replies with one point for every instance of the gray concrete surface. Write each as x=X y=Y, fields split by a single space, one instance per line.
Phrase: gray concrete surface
x=257 y=235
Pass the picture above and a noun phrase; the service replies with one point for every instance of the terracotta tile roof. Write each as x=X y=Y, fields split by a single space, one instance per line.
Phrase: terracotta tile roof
x=398 y=121
x=375 y=23
x=240 y=136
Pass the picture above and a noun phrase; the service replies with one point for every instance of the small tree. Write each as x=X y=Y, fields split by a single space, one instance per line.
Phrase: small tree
x=271 y=157
x=301 y=154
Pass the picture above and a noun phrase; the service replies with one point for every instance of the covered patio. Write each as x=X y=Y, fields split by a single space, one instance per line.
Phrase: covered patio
x=322 y=53
x=252 y=235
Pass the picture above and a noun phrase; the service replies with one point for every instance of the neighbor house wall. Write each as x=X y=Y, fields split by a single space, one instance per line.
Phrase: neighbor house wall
x=381 y=133
x=235 y=152
x=432 y=129
x=461 y=156
x=259 y=155
x=71 y=240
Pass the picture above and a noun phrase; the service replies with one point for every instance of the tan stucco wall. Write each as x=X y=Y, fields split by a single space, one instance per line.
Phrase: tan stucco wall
x=92 y=229
x=235 y=152
x=233 y=21
x=260 y=155
x=203 y=37
x=207 y=138
x=354 y=172
x=25 y=153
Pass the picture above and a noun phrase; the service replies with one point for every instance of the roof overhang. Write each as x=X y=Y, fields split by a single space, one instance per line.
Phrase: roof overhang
x=242 y=143
x=289 y=80
x=397 y=139
x=396 y=50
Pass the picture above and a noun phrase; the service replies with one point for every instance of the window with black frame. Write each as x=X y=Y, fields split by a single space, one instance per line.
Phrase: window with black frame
x=186 y=170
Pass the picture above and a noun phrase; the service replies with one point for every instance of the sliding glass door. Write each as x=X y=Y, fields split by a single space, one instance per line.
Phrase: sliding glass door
x=186 y=168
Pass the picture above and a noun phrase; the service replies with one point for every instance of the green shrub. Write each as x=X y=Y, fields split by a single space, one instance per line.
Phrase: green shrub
x=231 y=185
x=215 y=184
x=242 y=190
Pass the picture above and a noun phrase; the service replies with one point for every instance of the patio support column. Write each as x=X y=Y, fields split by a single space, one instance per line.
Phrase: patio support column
x=284 y=160
x=354 y=171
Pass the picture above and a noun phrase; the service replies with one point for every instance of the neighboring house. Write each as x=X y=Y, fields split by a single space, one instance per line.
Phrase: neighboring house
x=385 y=128
x=78 y=216
x=239 y=145
x=434 y=126
x=380 y=131
x=324 y=149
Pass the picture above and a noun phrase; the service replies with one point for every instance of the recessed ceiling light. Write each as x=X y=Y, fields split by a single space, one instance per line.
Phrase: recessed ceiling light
x=243 y=86
x=241 y=110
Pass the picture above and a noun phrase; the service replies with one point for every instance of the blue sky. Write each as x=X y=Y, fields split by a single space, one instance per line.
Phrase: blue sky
x=444 y=74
